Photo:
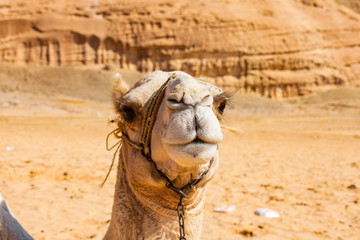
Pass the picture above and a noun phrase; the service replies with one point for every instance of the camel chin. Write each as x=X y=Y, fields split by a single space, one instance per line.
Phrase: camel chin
x=192 y=154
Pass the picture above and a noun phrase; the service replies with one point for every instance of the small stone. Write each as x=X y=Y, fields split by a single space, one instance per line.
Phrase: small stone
x=246 y=233
x=264 y=212
x=9 y=148
x=225 y=208
x=352 y=187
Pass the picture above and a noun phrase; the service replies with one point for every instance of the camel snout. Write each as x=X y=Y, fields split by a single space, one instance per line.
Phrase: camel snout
x=185 y=91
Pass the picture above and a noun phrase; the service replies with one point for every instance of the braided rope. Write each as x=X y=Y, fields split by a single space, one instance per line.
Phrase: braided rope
x=151 y=114
x=150 y=118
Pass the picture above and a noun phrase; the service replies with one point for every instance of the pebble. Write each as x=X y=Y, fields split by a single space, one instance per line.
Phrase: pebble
x=225 y=208
x=264 y=212
x=9 y=148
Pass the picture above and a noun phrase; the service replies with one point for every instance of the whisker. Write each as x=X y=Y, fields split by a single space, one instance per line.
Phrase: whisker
x=233 y=130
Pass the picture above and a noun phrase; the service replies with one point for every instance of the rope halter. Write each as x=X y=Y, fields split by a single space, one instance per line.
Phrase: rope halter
x=145 y=147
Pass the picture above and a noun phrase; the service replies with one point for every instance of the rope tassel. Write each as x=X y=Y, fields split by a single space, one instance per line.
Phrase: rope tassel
x=117 y=134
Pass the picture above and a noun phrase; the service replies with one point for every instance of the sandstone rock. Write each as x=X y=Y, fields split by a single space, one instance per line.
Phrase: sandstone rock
x=275 y=48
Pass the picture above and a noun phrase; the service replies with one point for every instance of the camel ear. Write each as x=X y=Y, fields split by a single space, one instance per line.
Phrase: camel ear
x=120 y=87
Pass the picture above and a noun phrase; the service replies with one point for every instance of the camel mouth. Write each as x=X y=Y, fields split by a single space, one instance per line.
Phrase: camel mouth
x=199 y=143
x=197 y=140
x=195 y=152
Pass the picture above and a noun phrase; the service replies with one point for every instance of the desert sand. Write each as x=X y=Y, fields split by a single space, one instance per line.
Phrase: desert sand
x=299 y=157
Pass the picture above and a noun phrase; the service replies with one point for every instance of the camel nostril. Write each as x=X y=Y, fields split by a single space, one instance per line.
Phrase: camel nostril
x=176 y=97
x=172 y=101
x=175 y=101
x=207 y=100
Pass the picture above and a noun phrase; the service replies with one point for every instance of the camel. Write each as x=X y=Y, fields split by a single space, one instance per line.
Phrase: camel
x=169 y=133
x=10 y=228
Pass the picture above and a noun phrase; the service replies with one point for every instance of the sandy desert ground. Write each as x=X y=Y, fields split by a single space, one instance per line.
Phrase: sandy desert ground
x=299 y=157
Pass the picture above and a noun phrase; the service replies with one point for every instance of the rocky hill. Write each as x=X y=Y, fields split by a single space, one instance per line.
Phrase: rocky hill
x=274 y=48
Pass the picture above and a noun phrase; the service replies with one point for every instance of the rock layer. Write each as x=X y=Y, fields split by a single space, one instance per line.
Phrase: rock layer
x=275 y=48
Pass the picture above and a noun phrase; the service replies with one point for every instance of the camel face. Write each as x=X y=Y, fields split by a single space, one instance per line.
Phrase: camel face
x=189 y=129
x=186 y=132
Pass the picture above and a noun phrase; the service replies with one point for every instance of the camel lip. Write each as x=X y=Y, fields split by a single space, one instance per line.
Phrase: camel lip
x=194 y=141
x=192 y=153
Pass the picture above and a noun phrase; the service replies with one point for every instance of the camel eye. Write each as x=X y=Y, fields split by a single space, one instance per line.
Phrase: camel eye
x=221 y=107
x=128 y=114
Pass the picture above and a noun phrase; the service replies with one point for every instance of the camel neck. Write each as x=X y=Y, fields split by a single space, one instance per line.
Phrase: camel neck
x=145 y=208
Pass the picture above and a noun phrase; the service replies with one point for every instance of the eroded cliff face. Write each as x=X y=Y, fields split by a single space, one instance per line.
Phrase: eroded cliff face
x=276 y=48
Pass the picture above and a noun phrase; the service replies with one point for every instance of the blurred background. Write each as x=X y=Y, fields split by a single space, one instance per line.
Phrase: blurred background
x=295 y=67
x=274 y=49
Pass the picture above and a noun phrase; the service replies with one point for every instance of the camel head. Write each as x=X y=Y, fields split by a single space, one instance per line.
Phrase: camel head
x=170 y=126
x=186 y=130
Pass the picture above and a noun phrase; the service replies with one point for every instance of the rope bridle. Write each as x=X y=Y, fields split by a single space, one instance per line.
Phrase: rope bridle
x=145 y=147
